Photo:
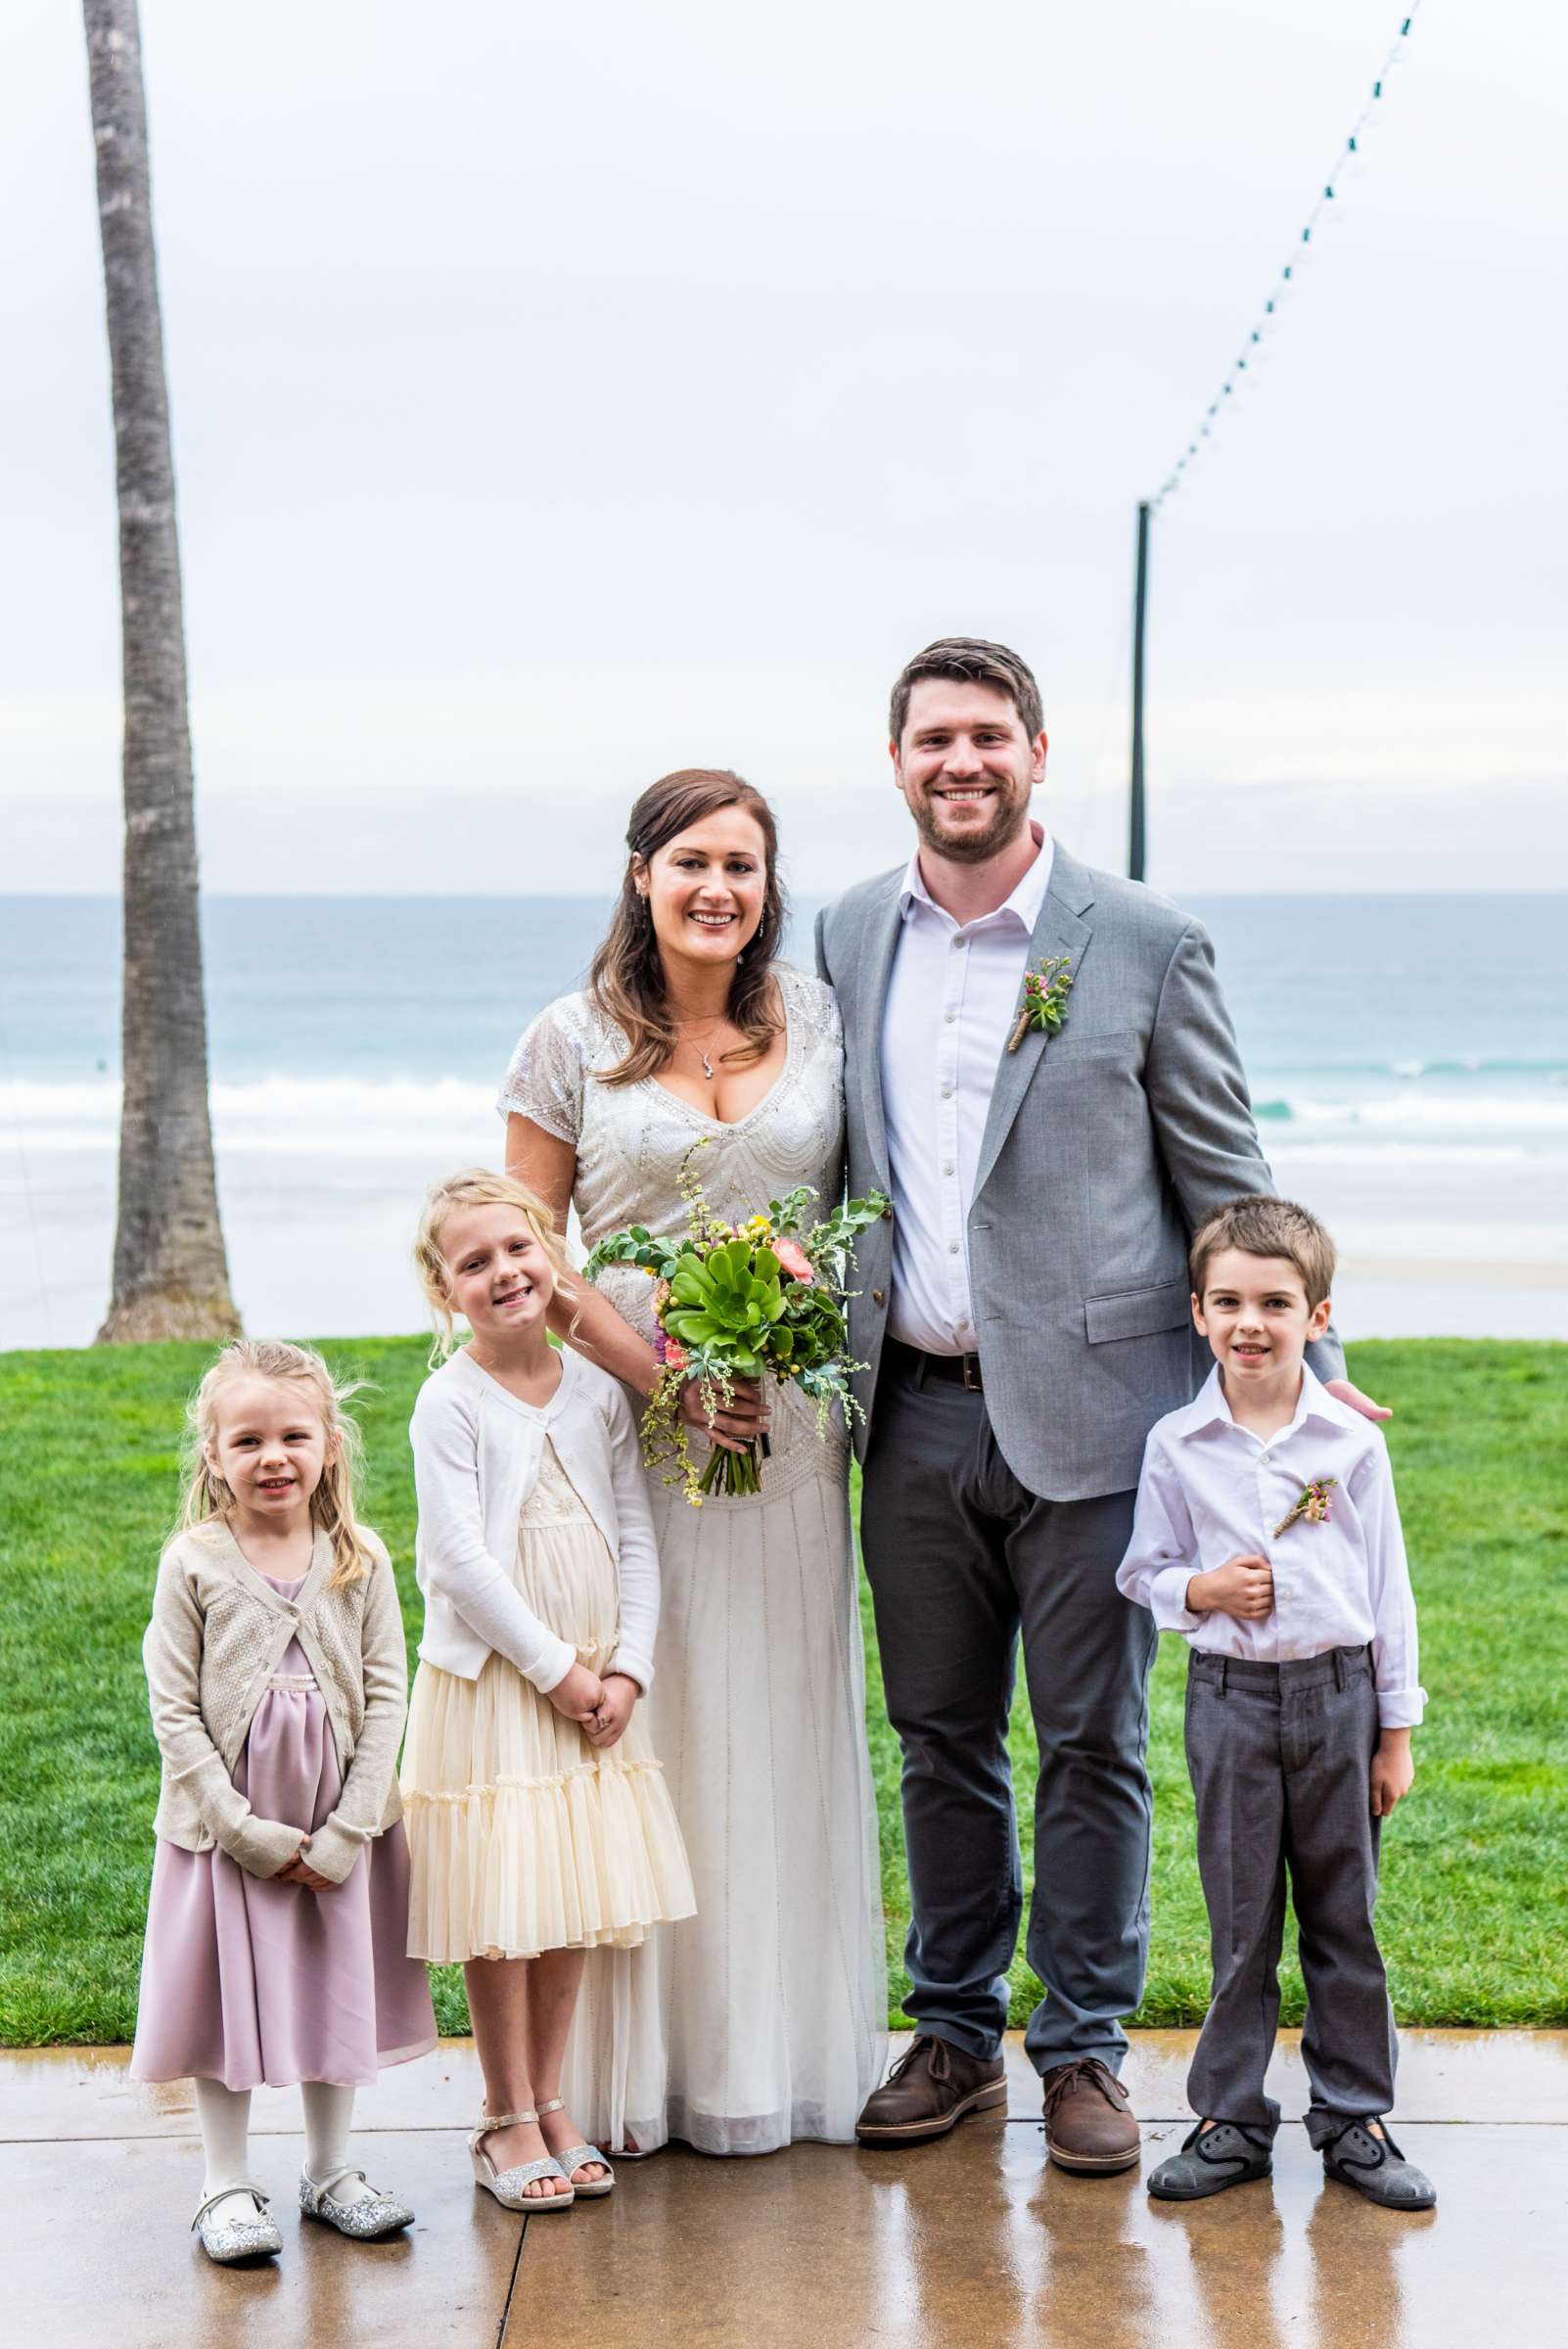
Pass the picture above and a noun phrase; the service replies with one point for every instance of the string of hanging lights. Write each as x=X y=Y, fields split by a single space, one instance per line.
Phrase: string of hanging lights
x=1331 y=200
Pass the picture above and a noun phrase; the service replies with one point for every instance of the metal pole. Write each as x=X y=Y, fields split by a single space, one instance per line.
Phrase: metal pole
x=1135 y=837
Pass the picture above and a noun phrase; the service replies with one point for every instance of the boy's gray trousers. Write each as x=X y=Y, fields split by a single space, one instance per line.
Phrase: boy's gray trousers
x=1280 y=1757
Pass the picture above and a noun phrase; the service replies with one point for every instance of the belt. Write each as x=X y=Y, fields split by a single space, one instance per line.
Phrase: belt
x=1337 y=1664
x=910 y=1362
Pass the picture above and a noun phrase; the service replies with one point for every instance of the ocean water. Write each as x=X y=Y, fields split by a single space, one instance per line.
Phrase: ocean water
x=1407 y=1058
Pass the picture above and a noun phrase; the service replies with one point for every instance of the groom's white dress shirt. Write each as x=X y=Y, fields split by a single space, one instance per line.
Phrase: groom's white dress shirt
x=952 y=997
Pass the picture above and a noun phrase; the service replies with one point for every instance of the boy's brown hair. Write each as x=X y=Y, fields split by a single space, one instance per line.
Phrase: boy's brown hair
x=1262 y=1226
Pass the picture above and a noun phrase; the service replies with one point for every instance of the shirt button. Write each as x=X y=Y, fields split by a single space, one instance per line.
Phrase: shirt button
x=946 y=1170
x=946 y=1093
x=953 y=1246
x=959 y=943
x=950 y=1017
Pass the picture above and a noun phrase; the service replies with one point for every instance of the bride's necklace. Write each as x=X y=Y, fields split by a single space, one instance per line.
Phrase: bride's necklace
x=701 y=1047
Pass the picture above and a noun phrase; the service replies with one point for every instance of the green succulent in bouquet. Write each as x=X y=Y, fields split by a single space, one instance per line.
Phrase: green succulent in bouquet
x=732 y=1299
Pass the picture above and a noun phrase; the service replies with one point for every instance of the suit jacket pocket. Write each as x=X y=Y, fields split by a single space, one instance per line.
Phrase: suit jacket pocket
x=1138 y=1313
x=1110 y=1043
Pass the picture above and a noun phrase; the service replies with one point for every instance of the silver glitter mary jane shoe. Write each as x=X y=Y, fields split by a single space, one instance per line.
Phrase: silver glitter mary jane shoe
x=509 y=2186
x=239 y=2239
x=366 y=2220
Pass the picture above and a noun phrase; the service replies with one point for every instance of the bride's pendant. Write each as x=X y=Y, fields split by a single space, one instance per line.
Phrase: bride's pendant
x=707 y=1068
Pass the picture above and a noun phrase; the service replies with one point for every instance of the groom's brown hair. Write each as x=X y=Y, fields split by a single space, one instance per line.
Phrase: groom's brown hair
x=970 y=660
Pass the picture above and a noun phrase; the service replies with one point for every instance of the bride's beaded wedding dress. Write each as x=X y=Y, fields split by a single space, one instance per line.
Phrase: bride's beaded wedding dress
x=761 y=2019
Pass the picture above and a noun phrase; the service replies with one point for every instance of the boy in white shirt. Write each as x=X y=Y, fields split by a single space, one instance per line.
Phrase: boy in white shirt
x=1267 y=1531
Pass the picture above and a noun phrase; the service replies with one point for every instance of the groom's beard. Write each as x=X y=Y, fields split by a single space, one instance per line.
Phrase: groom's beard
x=974 y=843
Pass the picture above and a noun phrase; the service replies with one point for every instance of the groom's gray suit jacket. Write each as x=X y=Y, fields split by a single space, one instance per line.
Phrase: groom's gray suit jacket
x=1104 y=1147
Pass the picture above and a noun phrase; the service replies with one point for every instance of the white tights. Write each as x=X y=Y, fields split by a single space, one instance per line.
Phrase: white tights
x=225 y=2117
x=328 y=2112
x=224 y=2114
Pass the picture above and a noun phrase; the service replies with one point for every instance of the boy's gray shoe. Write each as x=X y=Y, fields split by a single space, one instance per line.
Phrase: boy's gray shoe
x=1376 y=2168
x=1210 y=2160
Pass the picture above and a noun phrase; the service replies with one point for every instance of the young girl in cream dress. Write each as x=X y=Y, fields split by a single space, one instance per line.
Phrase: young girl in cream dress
x=538 y=1822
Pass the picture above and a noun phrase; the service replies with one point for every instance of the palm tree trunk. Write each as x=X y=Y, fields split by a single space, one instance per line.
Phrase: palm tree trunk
x=172 y=1278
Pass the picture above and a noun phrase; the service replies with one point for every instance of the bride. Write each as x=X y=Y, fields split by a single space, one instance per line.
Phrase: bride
x=760 y=2019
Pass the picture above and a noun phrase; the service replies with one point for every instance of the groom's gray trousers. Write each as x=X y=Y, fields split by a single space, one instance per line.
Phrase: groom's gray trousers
x=963 y=1561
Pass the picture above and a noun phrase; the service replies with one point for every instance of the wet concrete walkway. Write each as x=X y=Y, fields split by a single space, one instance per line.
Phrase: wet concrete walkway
x=974 y=2241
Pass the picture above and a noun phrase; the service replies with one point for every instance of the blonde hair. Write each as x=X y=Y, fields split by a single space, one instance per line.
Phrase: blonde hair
x=1264 y=1226
x=207 y=1494
x=474 y=1186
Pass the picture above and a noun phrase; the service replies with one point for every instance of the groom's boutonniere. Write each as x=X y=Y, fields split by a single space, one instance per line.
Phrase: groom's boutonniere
x=1047 y=989
x=1316 y=1506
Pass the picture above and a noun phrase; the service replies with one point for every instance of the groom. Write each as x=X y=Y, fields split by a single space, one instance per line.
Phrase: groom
x=1025 y=1319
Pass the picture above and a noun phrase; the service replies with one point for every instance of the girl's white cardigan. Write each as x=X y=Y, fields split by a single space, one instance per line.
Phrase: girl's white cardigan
x=477 y=1453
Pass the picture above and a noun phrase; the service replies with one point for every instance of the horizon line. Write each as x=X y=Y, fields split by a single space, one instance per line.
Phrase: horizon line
x=554 y=897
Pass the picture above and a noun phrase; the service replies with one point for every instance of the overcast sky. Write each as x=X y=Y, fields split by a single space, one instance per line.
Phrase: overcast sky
x=565 y=395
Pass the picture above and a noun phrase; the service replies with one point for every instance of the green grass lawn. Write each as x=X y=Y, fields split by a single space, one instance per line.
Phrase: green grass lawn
x=1474 y=1909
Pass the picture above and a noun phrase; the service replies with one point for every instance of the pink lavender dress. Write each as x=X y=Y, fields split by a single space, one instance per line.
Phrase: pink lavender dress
x=262 y=1984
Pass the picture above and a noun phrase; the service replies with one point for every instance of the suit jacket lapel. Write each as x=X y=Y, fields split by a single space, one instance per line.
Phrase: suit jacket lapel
x=879 y=944
x=1059 y=931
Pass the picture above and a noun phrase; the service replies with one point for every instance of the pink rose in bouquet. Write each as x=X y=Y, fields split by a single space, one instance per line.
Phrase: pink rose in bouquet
x=794 y=1259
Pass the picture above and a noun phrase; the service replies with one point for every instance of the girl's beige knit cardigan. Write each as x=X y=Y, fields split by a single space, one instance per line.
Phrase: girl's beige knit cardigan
x=217 y=1633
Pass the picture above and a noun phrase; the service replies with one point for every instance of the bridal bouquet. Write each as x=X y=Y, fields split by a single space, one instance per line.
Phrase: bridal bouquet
x=763 y=1298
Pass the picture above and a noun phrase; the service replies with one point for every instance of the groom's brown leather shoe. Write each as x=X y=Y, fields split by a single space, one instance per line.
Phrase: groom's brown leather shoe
x=928 y=2091
x=1090 y=2125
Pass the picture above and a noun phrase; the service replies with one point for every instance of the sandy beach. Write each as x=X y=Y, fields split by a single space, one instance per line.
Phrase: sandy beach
x=355 y=1056
x=320 y=1247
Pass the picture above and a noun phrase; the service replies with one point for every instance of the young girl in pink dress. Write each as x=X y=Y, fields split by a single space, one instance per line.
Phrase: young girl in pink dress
x=278 y=1921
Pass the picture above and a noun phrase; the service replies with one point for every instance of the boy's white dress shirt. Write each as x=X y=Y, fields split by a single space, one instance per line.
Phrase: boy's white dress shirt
x=1212 y=1491
x=952 y=997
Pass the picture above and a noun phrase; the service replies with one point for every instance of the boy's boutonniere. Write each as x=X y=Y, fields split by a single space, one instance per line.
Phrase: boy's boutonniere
x=1314 y=1504
x=1047 y=989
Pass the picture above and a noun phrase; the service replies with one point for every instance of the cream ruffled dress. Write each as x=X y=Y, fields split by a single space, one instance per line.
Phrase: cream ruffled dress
x=523 y=1836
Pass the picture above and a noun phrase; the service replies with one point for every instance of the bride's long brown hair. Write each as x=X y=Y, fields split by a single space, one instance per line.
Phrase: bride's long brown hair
x=626 y=983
